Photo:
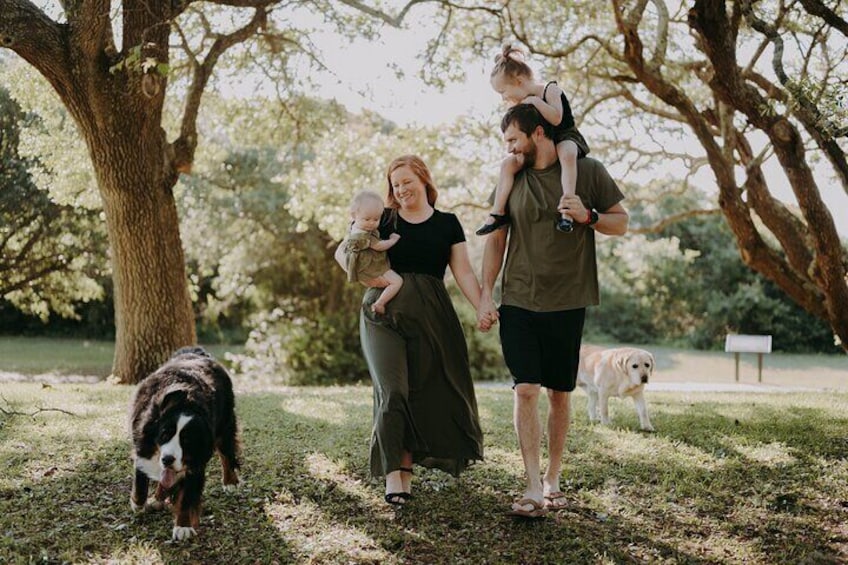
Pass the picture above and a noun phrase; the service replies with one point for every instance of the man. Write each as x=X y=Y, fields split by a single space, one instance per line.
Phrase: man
x=549 y=279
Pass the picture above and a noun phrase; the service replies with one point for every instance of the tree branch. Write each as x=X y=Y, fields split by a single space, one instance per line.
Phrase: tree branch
x=814 y=122
x=817 y=8
x=673 y=219
x=91 y=28
x=827 y=285
x=394 y=21
x=40 y=41
x=38 y=410
x=184 y=146
x=661 y=45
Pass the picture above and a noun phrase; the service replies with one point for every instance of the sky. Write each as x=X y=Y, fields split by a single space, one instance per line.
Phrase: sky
x=364 y=79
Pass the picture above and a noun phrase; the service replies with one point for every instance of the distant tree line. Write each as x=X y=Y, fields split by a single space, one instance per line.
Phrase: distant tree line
x=264 y=276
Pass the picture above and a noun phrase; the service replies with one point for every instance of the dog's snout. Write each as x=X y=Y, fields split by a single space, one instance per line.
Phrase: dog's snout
x=168 y=460
x=644 y=378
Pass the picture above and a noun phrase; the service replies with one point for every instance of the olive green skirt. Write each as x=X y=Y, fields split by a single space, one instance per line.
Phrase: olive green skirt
x=424 y=399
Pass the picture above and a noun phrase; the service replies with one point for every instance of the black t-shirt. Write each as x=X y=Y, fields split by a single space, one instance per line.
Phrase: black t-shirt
x=423 y=248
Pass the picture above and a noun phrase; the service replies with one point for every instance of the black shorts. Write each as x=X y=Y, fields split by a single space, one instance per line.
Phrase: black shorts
x=542 y=347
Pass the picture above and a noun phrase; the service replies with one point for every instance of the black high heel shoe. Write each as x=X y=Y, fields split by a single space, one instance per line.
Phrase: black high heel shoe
x=500 y=221
x=398 y=498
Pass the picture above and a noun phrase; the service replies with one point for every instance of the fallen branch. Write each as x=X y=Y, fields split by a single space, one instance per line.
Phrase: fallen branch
x=38 y=410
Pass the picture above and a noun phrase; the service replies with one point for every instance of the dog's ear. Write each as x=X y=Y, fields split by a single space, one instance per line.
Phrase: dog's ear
x=172 y=396
x=653 y=361
x=621 y=360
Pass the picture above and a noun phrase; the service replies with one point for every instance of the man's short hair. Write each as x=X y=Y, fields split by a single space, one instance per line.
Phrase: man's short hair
x=527 y=118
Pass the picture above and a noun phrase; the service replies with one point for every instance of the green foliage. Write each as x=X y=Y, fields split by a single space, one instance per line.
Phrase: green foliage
x=759 y=308
x=688 y=286
x=65 y=170
x=52 y=256
x=651 y=283
x=321 y=349
x=257 y=268
x=134 y=63
x=484 y=349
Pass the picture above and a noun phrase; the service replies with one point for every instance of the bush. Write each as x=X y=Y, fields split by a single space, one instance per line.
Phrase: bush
x=484 y=349
x=324 y=348
x=321 y=350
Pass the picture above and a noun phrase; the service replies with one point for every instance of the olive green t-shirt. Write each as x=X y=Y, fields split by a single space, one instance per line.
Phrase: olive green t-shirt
x=547 y=270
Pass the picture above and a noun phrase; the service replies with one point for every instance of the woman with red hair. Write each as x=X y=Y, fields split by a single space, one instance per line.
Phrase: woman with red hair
x=425 y=411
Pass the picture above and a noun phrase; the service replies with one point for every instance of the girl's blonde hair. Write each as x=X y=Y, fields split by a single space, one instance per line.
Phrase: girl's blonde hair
x=419 y=168
x=361 y=198
x=510 y=62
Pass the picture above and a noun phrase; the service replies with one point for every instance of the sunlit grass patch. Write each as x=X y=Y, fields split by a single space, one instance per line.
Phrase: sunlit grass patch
x=725 y=479
x=317 y=538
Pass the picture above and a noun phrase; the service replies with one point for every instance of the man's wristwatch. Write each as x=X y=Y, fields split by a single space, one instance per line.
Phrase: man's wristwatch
x=593 y=218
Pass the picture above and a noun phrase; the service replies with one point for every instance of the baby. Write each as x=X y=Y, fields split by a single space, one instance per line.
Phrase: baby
x=365 y=253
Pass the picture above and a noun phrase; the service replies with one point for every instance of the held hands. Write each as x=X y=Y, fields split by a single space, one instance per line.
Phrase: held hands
x=487 y=314
x=573 y=207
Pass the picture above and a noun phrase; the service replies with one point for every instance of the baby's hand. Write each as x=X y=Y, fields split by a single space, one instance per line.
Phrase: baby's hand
x=531 y=100
x=394 y=237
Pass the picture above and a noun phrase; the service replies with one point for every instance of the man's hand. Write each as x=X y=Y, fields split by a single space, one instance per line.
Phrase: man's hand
x=487 y=314
x=573 y=207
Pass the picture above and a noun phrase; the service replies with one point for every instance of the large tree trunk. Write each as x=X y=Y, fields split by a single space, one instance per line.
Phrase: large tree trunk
x=809 y=265
x=116 y=99
x=117 y=104
x=153 y=314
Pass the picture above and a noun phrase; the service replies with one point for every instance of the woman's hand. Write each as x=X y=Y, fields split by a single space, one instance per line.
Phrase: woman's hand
x=487 y=314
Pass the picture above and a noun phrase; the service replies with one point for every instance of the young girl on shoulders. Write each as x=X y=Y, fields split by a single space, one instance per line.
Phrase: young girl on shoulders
x=514 y=80
x=365 y=256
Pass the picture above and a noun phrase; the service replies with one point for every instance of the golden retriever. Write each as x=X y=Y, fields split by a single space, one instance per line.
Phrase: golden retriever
x=622 y=371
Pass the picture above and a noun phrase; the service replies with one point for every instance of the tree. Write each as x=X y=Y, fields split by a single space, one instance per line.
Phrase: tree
x=261 y=223
x=116 y=95
x=48 y=251
x=641 y=71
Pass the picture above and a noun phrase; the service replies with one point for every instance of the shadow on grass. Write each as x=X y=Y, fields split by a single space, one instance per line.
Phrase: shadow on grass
x=449 y=520
x=768 y=476
x=83 y=514
x=682 y=495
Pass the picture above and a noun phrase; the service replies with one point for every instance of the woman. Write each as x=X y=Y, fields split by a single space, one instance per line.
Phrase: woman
x=425 y=411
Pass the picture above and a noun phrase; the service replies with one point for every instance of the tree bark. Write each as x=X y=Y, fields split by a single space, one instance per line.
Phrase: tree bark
x=118 y=112
x=813 y=277
x=117 y=104
x=153 y=313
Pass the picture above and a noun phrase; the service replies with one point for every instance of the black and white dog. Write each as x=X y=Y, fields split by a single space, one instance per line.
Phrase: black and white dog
x=179 y=416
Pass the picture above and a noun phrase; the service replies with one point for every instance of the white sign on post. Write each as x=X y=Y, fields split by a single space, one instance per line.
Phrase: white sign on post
x=742 y=343
x=747 y=343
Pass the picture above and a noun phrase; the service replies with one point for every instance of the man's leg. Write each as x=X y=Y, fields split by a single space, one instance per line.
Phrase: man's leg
x=529 y=432
x=559 y=419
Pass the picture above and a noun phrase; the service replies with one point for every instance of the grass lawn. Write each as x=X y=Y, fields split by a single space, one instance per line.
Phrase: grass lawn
x=728 y=478
x=63 y=357
x=63 y=360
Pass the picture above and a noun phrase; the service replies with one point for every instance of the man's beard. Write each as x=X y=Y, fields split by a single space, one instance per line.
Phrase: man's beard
x=530 y=154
